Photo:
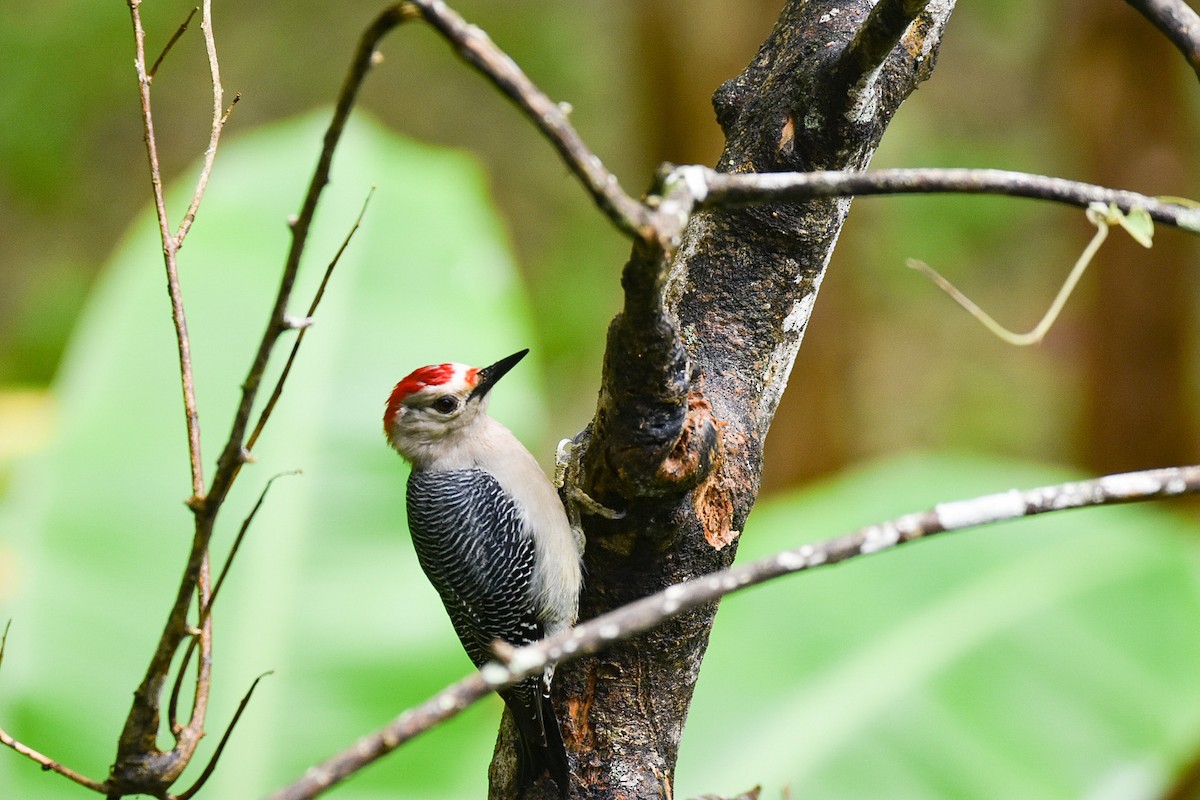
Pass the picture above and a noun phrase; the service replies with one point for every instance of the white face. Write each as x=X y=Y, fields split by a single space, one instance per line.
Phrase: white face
x=430 y=411
x=419 y=418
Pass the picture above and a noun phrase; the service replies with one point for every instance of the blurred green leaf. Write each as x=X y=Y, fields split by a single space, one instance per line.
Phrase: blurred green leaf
x=326 y=591
x=1049 y=658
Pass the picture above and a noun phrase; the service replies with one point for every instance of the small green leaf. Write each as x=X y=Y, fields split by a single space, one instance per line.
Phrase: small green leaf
x=1138 y=224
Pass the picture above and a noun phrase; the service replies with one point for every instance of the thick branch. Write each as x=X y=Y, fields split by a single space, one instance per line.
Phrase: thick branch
x=1178 y=22
x=694 y=394
x=651 y=612
x=870 y=47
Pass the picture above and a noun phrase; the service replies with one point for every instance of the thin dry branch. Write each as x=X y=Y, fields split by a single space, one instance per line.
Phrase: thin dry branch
x=713 y=189
x=303 y=329
x=182 y=29
x=206 y=610
x=49 y=764
x=1178 y=22
x=236 y=451
x=474 y=46
x=642 y=615
x=170 y=247
x=206 y=607
x=442 y=706
x=219 y=117
x=216 y=756
x=140 y=767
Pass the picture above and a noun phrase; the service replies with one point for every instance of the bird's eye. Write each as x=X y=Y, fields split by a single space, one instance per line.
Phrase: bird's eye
x=445 y=405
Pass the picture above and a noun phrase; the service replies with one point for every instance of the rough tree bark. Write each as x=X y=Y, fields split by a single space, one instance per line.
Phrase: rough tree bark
x=696 y=363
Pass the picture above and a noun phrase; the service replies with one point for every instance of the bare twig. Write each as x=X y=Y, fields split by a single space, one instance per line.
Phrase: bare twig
x=713 y=189
x=140 y=767
x=49 y=764
x=206 y=607
x=237 y=541
x=649 y=612
x=219 y=116
x=171 y=42
x=177 y=689
x=1178 y=22
x=170 y=245
x=370 y=748
x=312 y=310
x=474 y=46
x=235 y=452
x=212 y=764
x=477 y=49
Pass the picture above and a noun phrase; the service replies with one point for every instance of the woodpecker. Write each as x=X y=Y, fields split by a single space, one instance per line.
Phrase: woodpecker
x=490 y=534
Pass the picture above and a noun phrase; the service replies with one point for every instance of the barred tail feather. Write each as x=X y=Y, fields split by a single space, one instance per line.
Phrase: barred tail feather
x=541 y=748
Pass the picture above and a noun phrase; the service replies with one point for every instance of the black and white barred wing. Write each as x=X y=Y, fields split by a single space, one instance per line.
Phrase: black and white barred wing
x=469 y=540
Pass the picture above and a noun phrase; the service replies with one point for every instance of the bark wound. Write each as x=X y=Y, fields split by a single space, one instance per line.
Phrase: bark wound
x=580 y=737
x=698 y=448
x=787 y=137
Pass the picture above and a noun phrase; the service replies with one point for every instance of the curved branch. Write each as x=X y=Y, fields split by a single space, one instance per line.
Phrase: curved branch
x=474 y=46
x=212 y=763
x=649 y=612
x=1178 y=22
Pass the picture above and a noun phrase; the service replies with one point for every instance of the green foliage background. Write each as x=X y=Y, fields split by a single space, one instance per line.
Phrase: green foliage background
x=1052 y=659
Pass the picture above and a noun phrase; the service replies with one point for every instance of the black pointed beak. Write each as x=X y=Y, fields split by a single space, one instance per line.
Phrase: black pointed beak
x=489 y=375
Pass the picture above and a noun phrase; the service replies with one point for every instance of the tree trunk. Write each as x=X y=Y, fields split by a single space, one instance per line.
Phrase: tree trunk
x=695 y=366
